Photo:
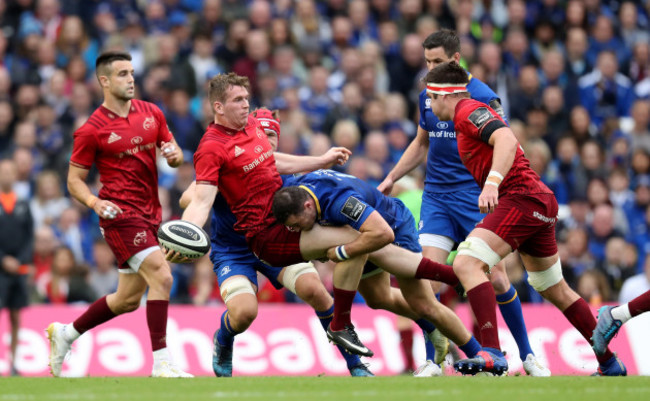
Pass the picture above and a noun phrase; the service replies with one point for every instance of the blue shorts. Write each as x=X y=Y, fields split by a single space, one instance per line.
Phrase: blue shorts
x=452 y=214
x=240 y=261
x=406 y=236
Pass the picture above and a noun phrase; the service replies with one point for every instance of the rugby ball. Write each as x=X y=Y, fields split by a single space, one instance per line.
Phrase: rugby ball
x=184 y=237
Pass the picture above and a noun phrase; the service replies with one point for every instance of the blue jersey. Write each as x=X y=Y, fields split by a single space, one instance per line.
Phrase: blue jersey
x=343 y=199
x=224 y=237
x=445 y=170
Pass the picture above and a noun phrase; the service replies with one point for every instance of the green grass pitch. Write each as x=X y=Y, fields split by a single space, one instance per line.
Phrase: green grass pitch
x=401 y=388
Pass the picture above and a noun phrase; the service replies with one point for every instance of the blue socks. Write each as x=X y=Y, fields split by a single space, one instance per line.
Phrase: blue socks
x=427 y=328
x=471 y=348
x=226 y=335
x=510 y=308
x=325 y=318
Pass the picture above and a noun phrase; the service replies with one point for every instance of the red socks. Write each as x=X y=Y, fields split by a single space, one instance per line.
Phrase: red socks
x=580 y=316
x=97 y=313
x=157 y=322
x=483 y=302
x=640 y=304
x=342 y=307
x=435 y=271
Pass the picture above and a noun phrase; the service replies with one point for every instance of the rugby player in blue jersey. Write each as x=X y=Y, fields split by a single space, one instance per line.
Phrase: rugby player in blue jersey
x=449 y=183
x=381 y=227
x=236 y=267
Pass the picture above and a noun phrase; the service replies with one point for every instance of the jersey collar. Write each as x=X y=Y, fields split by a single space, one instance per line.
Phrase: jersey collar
x=313 y=195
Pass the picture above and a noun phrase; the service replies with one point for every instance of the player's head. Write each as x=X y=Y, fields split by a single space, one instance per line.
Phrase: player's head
x=441 y=47
x=115 y=74
x=228 y=96
x=270 y=121
x=446 y=85
x=295 y=208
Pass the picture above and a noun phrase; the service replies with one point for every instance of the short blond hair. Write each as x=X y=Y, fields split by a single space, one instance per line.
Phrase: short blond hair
x=220 y=84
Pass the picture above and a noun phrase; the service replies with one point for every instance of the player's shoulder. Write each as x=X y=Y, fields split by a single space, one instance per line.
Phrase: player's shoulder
x=92 y=125
x=480 y=90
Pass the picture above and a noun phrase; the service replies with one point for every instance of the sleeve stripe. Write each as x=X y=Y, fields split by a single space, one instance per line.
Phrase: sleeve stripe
x=206 y=182
x=489 y=128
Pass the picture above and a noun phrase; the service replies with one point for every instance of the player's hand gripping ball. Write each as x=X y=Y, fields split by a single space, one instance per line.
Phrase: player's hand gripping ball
x=186 y=238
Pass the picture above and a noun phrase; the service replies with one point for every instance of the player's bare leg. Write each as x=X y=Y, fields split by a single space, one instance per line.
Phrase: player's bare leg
x=545 y=275
x=308 y=287
x=314 y=245
x=239 y=295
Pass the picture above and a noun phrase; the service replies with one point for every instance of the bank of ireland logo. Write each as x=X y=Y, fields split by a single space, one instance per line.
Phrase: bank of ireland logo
x=140 y=238
x=258 y=149
x=149 y=123
x=442 y=125
x=136 y=140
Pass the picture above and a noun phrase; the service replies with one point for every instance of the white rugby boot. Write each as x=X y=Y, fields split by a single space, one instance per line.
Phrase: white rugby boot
x=167 y=369
x=59 y=347
x=428 y=369
x=534 y=368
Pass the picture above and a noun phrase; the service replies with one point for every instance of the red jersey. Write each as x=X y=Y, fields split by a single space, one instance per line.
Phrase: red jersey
x=242 y=166
x=472 y=120
x=124 y=150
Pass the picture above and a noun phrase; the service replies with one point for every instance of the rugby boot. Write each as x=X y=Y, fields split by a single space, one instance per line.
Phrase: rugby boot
x=348 y=339
x=488 y=360
x=59 y=347
x=428 y=369
x=613 y=367
x=361 y=370
x=221 y=358
x=606 y=328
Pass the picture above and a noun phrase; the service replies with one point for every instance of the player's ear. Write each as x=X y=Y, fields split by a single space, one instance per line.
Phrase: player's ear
x=217 y=107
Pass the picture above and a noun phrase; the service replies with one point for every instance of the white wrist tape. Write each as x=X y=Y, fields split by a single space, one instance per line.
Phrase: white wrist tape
x=494 y=173
x=492 y=183
x=341 y=254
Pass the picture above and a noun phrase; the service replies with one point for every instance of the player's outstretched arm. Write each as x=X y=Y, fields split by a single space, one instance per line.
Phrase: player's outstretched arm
x=186 y=197
x=291 y=164
x=375 y=234
x=79 y=189
x=199 y=208
x=412 y=157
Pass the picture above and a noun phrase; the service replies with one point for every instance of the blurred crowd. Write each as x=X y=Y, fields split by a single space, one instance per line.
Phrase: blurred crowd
x=573 y=77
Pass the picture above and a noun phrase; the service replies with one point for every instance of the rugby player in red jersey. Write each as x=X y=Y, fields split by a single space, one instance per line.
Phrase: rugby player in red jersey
x=121 y=138
x=522 y=213
x=236 y=157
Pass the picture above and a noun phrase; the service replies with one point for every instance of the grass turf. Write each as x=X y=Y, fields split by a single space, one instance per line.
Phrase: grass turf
x=402 y=388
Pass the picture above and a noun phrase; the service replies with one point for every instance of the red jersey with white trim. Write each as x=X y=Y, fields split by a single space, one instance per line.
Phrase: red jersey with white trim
x=241 y=164
x=470 y=119
x=124 y=150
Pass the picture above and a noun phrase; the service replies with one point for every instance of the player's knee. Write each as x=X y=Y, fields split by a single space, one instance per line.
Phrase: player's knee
x=500 y=283
x=542 y=281
x=241 y=318
x=475 y=252
x=294 y=273
x=314 y=294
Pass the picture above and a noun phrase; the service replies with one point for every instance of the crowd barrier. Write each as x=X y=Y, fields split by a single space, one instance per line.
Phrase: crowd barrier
x=289 y=340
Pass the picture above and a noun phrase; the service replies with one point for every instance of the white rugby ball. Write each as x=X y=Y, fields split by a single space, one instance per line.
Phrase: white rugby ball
x=184 y=237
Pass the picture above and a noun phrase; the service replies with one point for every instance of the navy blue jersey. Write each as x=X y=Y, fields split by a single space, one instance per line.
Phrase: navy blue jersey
x=445 y=170
x=342 y=199
x=224 y=237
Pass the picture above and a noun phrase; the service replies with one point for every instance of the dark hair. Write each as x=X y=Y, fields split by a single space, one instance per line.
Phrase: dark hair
x=445 y=38
x=288 y=201
x=448 y=73
x=107 y=58
x=222 y=82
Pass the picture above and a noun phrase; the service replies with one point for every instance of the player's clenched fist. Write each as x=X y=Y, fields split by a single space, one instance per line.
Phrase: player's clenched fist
x=172 y=153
